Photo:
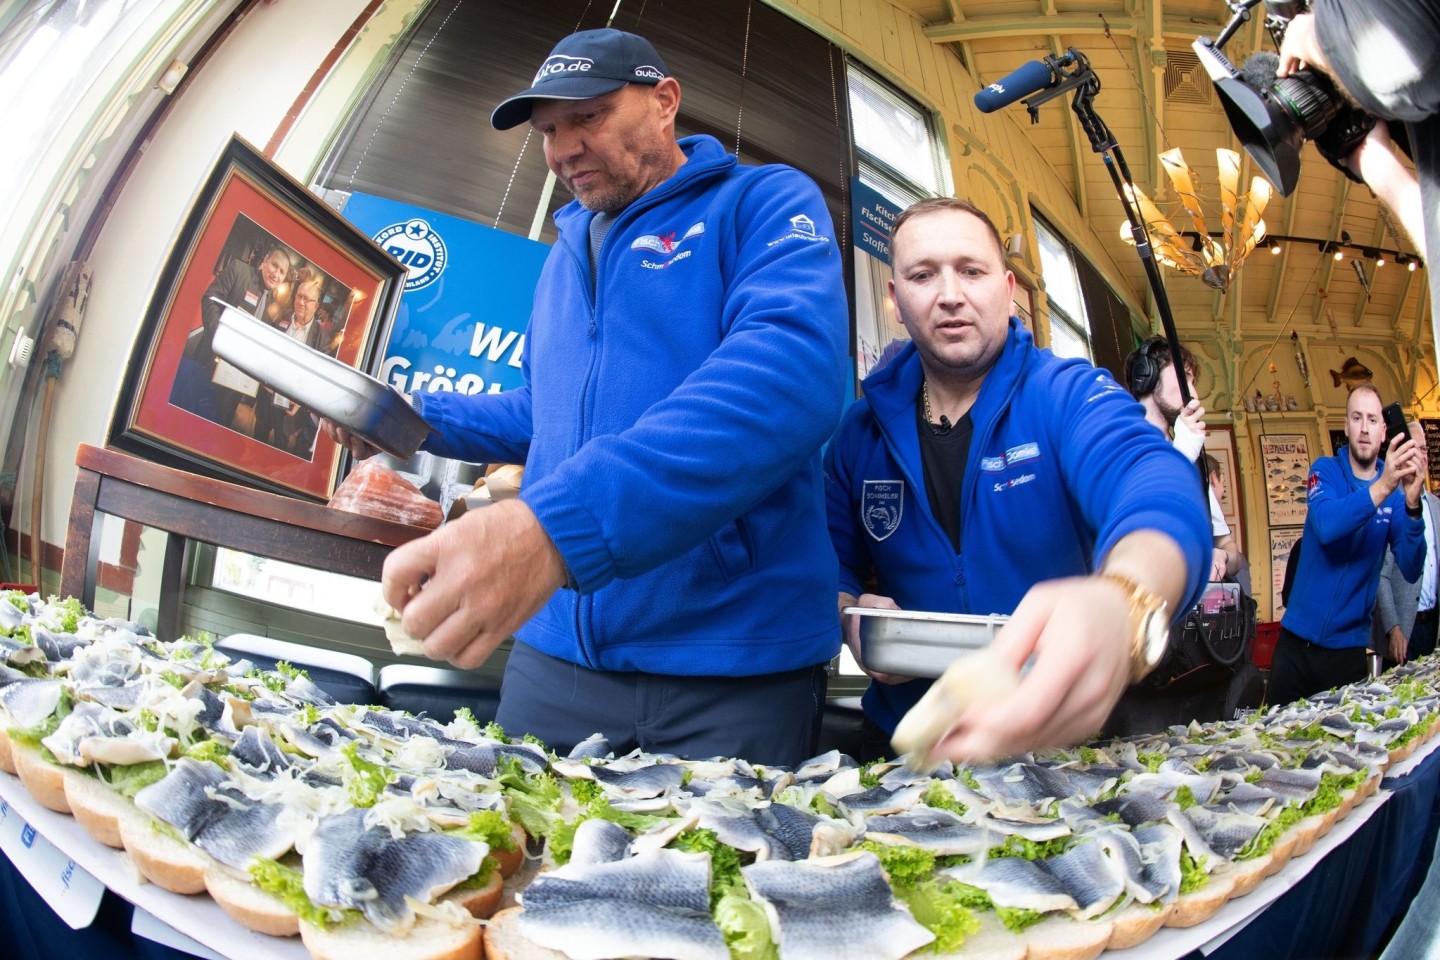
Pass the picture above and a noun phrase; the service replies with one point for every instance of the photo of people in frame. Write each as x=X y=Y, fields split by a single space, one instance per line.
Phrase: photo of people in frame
x=267 y=279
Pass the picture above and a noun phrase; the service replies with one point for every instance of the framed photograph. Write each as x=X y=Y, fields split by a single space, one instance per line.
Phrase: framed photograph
x=1286 y=465
x=259 y=241
x=1220 y=444
x=1337 y=439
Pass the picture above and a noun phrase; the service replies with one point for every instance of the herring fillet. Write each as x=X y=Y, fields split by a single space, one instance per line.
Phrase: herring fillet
x=351 y=866
x=834 y=908
x=195 y=799
x=654 y=904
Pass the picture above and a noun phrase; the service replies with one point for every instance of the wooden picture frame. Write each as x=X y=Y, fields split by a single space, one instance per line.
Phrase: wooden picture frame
x=182 y=406
x=1220 y=444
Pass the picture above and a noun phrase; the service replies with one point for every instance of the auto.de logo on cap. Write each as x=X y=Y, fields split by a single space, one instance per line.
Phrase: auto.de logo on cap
x=558 y=64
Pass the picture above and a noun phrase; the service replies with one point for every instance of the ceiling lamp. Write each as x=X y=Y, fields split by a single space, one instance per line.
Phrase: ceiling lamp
x=1213 y=260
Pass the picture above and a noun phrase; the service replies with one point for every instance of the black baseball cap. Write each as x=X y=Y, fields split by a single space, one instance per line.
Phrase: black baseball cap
x=587 y=64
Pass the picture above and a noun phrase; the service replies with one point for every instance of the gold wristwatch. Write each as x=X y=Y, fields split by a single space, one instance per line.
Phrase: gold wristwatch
x=1149 y=625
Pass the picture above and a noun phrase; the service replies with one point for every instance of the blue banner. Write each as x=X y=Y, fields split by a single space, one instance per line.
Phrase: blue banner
x=873 y=214
x=461 y=321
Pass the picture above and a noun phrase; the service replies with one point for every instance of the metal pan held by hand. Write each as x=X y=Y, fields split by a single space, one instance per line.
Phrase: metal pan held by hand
x=340 y=393
x=914 y=643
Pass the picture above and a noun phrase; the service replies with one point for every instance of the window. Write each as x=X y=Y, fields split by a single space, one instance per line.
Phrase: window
x=1069 y=326
x=894 y=139
x=899 y=162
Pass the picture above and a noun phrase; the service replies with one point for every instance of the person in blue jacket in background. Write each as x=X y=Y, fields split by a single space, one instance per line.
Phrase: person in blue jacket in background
x=1357 y=505
x=980 y=474
x=666 y=568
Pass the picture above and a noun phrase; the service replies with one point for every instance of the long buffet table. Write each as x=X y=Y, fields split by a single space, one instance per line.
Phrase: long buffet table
x=1338 y=900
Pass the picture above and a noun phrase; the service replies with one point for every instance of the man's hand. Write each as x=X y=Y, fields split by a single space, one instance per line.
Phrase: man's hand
x=1078 y=630
x=1219 y=560
x=1402 y=470
x=1398 y=644
x=471 y=584
x=852 y=632
x=1301 y=49
x=1079 y=633
x=1190 y=430
x=359 y=447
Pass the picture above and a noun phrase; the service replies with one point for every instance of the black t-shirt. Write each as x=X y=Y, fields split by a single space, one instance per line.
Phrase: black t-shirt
x=943 y=453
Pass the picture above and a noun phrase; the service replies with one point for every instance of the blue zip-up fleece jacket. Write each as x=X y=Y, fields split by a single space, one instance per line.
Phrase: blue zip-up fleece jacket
x=671 y=422
x=1062 y=465
x=1345 y=540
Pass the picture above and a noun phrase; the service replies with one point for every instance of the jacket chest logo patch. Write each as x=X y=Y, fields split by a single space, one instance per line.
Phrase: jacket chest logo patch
x=1016 y=454
x=666 y=246
x=881 y=506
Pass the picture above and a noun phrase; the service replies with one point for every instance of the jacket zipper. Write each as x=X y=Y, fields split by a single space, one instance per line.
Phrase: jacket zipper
x=585 y=603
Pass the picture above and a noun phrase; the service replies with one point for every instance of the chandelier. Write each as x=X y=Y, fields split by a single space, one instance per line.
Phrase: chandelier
x=1214 y=259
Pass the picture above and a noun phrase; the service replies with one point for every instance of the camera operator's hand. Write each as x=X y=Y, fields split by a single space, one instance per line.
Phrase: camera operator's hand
x=1402 y=470
x=1301 y=48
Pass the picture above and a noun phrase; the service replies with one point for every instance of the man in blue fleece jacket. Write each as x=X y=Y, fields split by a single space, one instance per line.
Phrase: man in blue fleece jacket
x=980 y=474
x=666 y=568
x=1357 y=506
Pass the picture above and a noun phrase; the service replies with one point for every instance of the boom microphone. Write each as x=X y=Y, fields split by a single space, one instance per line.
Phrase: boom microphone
x=1027 y=81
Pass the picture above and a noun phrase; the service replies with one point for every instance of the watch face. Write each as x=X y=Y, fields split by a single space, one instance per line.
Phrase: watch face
x=1157 y=636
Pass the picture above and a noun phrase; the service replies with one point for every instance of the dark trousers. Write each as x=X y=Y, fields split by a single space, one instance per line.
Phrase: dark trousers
x=1422 y=635
x=1301 y=668
x=771 y=719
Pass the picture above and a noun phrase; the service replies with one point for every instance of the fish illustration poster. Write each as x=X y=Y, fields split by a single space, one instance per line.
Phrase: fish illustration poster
x=1286 y=458
x=1282 y=540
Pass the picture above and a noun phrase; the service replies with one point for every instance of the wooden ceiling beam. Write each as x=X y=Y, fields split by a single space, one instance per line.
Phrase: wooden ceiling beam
x=1277 y=280
x=1003 y=26
x=1327 y=264
x=1377 y=238
x=1027 y=25
x=1073 y=134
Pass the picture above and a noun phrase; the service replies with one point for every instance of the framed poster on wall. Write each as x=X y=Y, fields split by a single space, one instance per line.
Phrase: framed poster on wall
x=1220 y=444
x=1432 y=448
x=1282 y=541
x=1285 y=460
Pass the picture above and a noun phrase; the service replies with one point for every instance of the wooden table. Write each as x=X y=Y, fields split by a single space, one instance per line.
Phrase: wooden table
x=198 y=509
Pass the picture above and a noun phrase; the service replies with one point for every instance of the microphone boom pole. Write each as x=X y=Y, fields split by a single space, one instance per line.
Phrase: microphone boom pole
x=1086 y=84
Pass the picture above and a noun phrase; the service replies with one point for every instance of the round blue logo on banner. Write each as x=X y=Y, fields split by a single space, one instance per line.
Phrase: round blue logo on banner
x=415 y=244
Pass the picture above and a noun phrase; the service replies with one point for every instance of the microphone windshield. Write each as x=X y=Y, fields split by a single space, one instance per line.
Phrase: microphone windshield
x=1259 y=70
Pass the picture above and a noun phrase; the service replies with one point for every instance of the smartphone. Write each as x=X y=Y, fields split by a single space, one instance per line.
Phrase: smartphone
x=1394 y=426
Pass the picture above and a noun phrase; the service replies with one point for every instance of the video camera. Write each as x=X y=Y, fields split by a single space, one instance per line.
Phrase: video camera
x=1274 y=117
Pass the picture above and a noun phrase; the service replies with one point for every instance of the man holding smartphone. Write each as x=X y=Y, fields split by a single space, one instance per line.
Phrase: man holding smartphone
x=1359 y=504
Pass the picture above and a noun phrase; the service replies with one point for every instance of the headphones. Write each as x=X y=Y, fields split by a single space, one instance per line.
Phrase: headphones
x=1142 y=373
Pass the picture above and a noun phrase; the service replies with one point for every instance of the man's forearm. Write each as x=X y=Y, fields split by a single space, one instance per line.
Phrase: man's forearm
x=1394 y=185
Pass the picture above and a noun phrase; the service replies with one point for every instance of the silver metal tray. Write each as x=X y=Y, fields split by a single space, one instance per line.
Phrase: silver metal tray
x=354 y=400
x=914 y=643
